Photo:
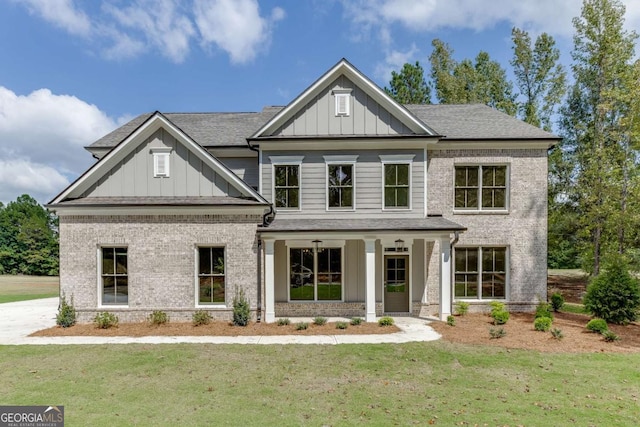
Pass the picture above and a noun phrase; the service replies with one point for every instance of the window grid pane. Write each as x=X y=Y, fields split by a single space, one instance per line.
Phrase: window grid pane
x=340 y=186
x=396 y=185
x=211 y=275
x=490 y=192
x=315 y=276
x=287 y=186
x=480 y=273
x=115 y=285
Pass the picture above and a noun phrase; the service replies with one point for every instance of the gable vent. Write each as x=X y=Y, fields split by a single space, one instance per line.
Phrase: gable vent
x=343 y=98
x=161 y=162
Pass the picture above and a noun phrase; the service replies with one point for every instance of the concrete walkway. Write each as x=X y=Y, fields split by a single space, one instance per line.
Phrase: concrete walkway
x=19 y=319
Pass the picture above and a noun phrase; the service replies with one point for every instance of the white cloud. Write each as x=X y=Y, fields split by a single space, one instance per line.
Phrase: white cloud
x=235 y=26
x=62 y=13
x=41 y=140
x=393 y=61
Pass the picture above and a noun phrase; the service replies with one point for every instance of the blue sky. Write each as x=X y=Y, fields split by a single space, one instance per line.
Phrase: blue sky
x=72 y=70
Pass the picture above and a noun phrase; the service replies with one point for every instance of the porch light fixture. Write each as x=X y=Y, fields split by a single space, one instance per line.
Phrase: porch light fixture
x=399 y=245
x=317 y=244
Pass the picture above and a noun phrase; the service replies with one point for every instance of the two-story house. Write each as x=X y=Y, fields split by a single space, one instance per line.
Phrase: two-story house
x=342 y=203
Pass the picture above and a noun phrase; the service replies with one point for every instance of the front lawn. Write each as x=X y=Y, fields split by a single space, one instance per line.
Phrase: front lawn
x=410 y=384
x=22 y=288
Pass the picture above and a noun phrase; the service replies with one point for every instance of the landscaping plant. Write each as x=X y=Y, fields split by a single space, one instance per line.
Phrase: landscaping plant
x=284 y=321
x=500 y=317
x=557 y=301
x=355 y=321
x=319 y=320
x=105 y=320
x=66 y=316
x=342 y=325
x=451 y=321
x=597 y=325
x=301 y=326
x=557 y=333
x=201 y=317
x=385 y=321
x=241 y=309
x=158 y=317
x=542 y=324
x=497 y=333
x=543 y=310
x=462 y=308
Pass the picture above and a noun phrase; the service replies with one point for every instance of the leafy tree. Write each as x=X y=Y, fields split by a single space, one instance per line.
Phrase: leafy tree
x=539 y=76
x=409 y=86
x=481 y=81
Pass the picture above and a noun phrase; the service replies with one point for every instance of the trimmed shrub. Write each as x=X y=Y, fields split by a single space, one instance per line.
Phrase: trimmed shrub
x=342 y=325
x=355 y=321
x=105 y=320
x=496 y=306
x=385 y=321
x=557 y=333
x=557 y=301
x=158 y=317
x=610 y=336
x=451 y=321
x=319 y=320
x=241 y=309
x=500 y=317
x=542 y=324
x=301 y=326
x=201 y=317
x=598 y=326
x=462 y=308
x=614 y=295
x=497 y=333
x=66 y=316
x=543 y=310
x=284 y=321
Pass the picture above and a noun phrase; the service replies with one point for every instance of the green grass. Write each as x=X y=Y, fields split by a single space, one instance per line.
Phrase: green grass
x=574 y=308
x=325 y=292
x=193 y=385
x=22 y=288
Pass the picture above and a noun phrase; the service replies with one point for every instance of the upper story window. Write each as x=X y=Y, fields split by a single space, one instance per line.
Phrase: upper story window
x=343 y=101
x=340 y=182
x=397 y=181
x=286 y=181
x=481 y=187
x=161 y=162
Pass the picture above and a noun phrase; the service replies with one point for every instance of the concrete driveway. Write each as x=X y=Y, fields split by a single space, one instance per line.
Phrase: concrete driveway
x=19 y=319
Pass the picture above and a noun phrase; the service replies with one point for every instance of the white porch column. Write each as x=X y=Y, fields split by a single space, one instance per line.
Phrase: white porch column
x=370 y=288
x=445 y=279
x=269 y=282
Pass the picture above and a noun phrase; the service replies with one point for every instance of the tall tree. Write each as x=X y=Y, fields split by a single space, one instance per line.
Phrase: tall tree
x=540 y=77
x=480 y=81
x=409 y=86
x=599 y=134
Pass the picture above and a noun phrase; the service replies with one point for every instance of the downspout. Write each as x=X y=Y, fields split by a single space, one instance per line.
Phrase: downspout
x=269 y=216
x=259 y=307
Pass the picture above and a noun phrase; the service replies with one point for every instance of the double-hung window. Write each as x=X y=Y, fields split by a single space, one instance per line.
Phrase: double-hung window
x=315 y=274
x=481 y=187
x=480 y=272
x=286 y=182
x=397 y=181
x=341 y=182
x=114 y=276
x=211 y=275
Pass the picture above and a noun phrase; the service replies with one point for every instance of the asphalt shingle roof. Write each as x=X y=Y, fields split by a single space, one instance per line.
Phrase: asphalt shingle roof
x=160 y=201
x=387 y=224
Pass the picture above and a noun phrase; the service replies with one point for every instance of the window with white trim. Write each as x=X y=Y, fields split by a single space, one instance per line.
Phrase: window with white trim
x=480 y=272
x=341 y=182
x=161 y=162
x=481 y=187
x=396 y=181
x=315 y=275
x=211 y=275
x=286 y=180
x=114 y=276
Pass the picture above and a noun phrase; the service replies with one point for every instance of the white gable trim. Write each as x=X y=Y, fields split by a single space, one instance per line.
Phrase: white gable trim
x=124 y=148
x=343 y=67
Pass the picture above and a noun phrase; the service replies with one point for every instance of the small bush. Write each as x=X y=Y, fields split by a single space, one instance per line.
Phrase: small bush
x=105 y=320
x=497 y=333
x=610 y=336
x=543 y=310
x=342 y=325
x=158 y=317
x=557 y=301
x=557 y=333
x=500 y=317
x=597 y=325
x=284 y=321
x=355 y=321
x=542 y=324
x=496 y=306
x=201 y=317
x=66 y=316
x=462 y=308
x=614 y=295
x=302 y=326
x=451 y=321
x=319 y=321
x=385 y=321
x=241 y=309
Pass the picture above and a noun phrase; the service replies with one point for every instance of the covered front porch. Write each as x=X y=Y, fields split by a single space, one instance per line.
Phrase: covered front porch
x=357 y=268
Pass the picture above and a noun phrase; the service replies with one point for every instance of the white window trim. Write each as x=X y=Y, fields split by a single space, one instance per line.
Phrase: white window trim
x=217 y=305
x=326 y=244
x=395 y=159
x=285 y=161
x=507 y=274
x=161 y=154
x=340 y=160
x=99 y=269
x=342 y=94
x=480 y=209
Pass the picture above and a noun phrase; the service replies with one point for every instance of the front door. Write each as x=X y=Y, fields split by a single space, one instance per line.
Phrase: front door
x=396 y=283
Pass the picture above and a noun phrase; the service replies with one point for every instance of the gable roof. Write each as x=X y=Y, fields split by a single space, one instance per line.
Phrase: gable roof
x=145 y=129
x=476 y=122
x=343 y=67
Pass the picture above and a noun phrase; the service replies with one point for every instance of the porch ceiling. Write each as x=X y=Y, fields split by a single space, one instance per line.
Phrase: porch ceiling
x=430 y=224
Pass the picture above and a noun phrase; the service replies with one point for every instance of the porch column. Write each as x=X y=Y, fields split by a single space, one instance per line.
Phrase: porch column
x=445 y=278
x=269 y=282
x=370 y=288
